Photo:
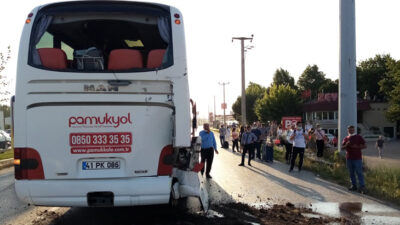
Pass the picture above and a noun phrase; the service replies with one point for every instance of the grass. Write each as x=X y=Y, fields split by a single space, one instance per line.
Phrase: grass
x=382 y=183
x=7 y=154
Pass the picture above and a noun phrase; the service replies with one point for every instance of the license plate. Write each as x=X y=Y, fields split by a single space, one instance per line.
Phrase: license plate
x=101 y=165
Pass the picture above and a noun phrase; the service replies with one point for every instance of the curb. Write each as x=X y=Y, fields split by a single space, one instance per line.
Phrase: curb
x=6 y=163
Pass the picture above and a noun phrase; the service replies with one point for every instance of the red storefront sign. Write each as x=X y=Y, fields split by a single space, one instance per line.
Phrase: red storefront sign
x=288 y=121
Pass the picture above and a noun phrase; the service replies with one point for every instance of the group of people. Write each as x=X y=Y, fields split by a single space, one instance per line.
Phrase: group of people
x=251 y=138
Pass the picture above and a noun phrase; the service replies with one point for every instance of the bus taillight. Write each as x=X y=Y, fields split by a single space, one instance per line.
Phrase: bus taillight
x=28 y=164
x=165 y=161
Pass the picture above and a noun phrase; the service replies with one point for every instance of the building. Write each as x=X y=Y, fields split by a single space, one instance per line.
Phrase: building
x=370 y=115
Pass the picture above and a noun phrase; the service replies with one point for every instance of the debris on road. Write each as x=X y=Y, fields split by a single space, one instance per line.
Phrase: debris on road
x=230 y=213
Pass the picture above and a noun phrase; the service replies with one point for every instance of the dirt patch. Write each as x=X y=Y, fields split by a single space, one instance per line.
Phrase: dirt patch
x=275 y=214
x=231 y=213
x=45 y=217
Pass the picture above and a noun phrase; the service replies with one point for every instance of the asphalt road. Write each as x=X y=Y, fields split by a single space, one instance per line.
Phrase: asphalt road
x=390 y=158
x=10 y=207
x=261 y=184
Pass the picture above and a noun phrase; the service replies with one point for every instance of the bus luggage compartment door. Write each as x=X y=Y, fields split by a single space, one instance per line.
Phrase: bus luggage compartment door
x=99 y=141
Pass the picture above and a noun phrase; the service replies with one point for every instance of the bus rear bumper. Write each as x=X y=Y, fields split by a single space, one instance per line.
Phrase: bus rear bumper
x=126 y=191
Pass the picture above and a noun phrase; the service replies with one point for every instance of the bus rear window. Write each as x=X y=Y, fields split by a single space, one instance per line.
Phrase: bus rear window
x=101 y=42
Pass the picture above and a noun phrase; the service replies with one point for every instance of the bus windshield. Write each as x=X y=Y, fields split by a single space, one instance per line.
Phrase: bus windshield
x=83 y=39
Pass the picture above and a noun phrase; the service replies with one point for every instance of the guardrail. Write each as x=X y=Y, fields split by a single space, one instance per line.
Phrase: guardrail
x=6 y=163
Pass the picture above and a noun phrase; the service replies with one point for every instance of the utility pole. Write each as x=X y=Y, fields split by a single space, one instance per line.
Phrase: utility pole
x=223 y=104
x=347 y=76
x=242 y=39
x=215 y=115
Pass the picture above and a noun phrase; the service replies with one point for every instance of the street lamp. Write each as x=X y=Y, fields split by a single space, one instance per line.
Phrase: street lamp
x=242 y=39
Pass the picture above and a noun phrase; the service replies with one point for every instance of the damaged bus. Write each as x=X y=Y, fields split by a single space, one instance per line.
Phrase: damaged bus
x=102 y=114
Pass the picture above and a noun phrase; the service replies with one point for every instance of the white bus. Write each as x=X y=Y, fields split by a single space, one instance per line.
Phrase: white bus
x=101 y=114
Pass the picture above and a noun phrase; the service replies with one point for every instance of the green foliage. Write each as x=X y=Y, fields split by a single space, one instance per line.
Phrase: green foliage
x=6 y=110
x=384 y=182
x=282 y=77
x=3 y=79
x=236 y=108
x=280 y=100
x=390 y=87
x=330 y=86
x=7 y=154
x=370 y=72
x=312 y=79
x=253 y=93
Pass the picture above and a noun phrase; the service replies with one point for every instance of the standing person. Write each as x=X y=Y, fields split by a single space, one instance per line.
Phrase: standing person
x=279 y=133
x=227 y=137
x=289 y=144
x=208 y=146
x=222 y=133
x=308 y=126
x=353 y=144
x=235 y=140
x=379 y=146
x=263 y=130
x=320 y=139
x=247 y=141
x=272 y=130
x=257 y=144
x=299 y=138
x=240 y=137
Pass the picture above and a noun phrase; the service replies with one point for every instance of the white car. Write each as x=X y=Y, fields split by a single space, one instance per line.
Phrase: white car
x=5 y=135
x=4 y=142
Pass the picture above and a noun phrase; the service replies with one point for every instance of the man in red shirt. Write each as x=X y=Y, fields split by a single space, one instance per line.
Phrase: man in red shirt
x=353 y=144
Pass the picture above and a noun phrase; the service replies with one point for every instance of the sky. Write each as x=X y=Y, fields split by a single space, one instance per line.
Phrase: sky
x=288 y=34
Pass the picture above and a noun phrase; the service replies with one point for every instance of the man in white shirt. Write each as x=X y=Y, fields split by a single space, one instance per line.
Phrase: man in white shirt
x=289 y=144
x=299 y=138
x=319 y=135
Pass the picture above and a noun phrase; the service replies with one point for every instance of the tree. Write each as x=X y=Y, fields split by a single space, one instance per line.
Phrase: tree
x=253 y=93
x=6 y=110
x=281 y=100
x=3 y=79
x=370 y=72
x=282 y=77
x=311 y=79
x=330 y=86
x=390 y=87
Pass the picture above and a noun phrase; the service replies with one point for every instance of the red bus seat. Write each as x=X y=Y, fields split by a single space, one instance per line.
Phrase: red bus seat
x=53 y=58
x=155 y=57
x=125 y=59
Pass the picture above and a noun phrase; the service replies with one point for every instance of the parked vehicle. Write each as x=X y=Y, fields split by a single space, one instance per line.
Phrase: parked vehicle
x=6 y=135
x=5 y=141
